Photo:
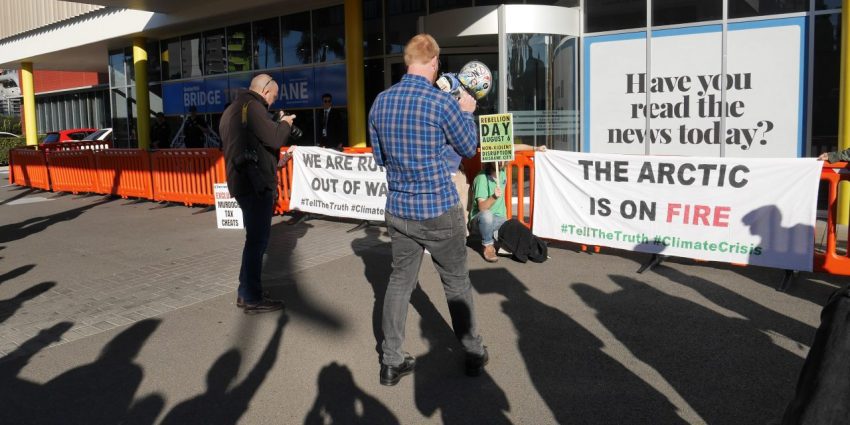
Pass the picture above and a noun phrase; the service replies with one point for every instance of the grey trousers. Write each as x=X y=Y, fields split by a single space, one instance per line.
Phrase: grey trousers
x=445 y=239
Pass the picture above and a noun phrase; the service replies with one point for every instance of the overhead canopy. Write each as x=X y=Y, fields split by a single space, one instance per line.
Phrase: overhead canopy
x=82 y=42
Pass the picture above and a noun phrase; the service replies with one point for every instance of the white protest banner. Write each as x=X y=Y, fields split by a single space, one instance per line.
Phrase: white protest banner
x=764 y=85
x=332 y=183
x=753 y=211
x=228 y=215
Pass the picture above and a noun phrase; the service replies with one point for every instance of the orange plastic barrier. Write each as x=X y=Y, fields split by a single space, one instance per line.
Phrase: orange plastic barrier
x=351 y=149
x=516 y=173
x=124 y=172
x=831 y=261
x=187 y=175
x=72 y=171
x=29 y=168
x=284 y=185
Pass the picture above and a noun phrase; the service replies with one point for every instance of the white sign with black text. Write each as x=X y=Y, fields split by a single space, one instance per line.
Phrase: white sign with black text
x=332 y=183
x=750 y=211
x=228 y=215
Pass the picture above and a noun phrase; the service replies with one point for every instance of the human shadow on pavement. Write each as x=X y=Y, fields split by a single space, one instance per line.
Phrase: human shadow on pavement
x=341 y=401
x=33 y=225
x=279 y=281
x=440 y=385
x=10 y=306
x=726 y=368
x=762 y=318
x=225 y=402
x=566 y=364
x=101 y=392
x=16 y=273
x=377 y=265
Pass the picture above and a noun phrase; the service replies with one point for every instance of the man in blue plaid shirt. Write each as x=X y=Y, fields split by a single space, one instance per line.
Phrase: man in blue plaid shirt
x=415 y=128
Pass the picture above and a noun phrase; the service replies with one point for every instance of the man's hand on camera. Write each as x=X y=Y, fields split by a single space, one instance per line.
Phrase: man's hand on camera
x=287 y=118
x=467 y=103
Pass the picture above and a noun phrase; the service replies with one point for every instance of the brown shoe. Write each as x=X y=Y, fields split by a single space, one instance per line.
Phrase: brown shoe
x=490 y=254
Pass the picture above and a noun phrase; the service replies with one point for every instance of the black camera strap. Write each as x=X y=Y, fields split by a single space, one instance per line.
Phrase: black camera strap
x=251 y=139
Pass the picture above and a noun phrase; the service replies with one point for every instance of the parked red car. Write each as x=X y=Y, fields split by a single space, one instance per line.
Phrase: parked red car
x=70 y=135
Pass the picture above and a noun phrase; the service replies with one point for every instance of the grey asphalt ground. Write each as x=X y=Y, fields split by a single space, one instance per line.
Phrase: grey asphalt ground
x=117 y=311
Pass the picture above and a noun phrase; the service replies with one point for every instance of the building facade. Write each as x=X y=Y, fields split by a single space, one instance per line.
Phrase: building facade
x=682 y=77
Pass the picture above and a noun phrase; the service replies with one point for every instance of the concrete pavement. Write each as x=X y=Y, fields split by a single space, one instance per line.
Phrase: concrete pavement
x=121 y=311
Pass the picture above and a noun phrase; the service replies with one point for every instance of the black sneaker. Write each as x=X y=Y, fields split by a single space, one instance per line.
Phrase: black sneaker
x=263 y=306
x=390 y=375
x=240 y=302
x=475 y=363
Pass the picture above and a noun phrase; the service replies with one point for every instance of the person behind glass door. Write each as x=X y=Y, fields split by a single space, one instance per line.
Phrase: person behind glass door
x=160 y=132
x=334 y=130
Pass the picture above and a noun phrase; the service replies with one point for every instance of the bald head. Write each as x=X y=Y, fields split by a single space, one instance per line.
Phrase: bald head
x=265 y=86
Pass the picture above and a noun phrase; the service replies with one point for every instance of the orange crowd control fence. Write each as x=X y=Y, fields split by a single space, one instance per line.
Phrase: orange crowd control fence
x=831 y=261
x=284 y=185
x=187 y=175
x=72 y=171
x=124 y=172
x=29 y=168
x=520 y=178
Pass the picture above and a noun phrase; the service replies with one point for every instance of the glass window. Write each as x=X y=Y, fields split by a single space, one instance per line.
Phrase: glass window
x=239 y=48
x=610 y=15
x=747 y=8
x=373 y=34
x=827 y=4
x=129 y=67
x=215 y=53
x=402 y=23
x=670 y=12
x=296 y=39
x=190 y=55
x=329 y=34
x=170 y=54
x=825 y=90
x=266 y=44
x=116 y=69
x=373 y=69
x=439 y=5
x=154 y=62
x=541 y=93
x=120 y=117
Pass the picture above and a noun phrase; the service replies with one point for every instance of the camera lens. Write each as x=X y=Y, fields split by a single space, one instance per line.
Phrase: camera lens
x=295 y=133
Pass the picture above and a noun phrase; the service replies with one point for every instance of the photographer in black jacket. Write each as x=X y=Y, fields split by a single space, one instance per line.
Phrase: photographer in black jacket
x=251 y=142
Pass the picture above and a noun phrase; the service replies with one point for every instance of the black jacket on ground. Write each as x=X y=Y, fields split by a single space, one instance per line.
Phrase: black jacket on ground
x=519 y=240
x=261 y=134
x=823 y=390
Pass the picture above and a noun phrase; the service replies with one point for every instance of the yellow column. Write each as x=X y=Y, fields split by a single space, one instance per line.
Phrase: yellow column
x=28 y=93
x=844 y=112
x=143 y=106
x=354 y=72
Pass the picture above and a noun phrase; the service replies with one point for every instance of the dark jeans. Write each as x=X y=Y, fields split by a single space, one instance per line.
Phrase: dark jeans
x=445 y=239
x=257 y=213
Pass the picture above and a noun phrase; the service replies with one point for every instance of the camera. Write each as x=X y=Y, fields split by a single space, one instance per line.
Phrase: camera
x=295 y=133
